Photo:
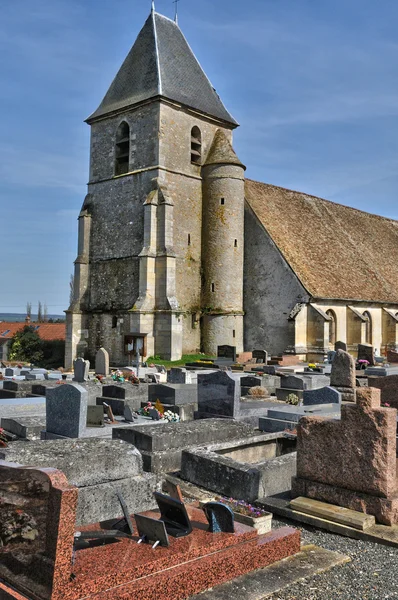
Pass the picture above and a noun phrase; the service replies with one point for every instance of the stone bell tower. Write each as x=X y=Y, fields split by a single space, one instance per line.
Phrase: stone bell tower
x=138 y=273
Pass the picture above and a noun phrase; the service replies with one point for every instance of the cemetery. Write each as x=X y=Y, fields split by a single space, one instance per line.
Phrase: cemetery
x=92 y=472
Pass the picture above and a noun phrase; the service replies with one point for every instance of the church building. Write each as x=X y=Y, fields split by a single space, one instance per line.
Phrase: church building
x=178 y=252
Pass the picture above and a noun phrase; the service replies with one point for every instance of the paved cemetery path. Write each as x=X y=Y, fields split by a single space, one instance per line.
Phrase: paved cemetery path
x=371 y=574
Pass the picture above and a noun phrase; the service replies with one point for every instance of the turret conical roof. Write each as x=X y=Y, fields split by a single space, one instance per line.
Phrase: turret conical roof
x=161 y=64
x=221 y=152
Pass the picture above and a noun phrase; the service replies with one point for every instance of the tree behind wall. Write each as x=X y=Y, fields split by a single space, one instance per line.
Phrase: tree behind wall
x=26 y=346
x=39 y=313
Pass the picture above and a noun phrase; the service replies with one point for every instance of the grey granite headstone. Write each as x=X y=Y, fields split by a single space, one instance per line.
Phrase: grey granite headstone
x=218 y=394
x=178 y=375
x=340 y=346
x=343 y=370
x=102 y=362
x=66 y=410
x=227 y=352
x=366 y=352
x=35 y=377
x=81 y=368
x=292 y=382
x=326 y=395
x=9 y=372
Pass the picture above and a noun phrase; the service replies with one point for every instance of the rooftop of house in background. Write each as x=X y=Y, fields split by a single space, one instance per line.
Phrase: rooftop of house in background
x=46 y=331
x=334 y=250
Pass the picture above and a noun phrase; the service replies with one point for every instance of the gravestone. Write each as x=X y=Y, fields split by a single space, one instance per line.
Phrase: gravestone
x=388 y=387
x=81 y=368
x=9 y=372
x=352 y=462
x=228 y=352
x=35 y=377
x=248 y=382
x=292 y=382
x=325 y=395
x=331 y=355
x=343 y=370
x=95 y=416
x=102 y=362
x=340 y=346
x=392 y=356
x=260 y=356
x=66 y=410
x=176 y=394
x=366 y=352
x=218 y=394
x=178 y=375
x=220 y=517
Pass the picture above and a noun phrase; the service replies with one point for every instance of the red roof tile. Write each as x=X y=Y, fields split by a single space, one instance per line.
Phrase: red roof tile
x=46 y=331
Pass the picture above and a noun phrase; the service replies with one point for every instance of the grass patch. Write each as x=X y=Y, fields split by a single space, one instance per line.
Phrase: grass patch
x=186 y=358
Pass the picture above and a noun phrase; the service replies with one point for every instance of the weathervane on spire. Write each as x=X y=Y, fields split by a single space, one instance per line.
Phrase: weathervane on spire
x=176 y=14
x=153 y=5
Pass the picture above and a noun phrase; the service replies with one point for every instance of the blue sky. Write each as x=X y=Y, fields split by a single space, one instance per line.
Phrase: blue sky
x=313 y=84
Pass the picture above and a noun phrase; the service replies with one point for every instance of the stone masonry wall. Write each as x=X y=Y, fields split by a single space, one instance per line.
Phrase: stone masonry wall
x=271 y=290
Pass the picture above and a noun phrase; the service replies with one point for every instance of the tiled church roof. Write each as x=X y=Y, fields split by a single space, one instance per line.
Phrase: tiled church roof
x=161 y=63
x=337 y=252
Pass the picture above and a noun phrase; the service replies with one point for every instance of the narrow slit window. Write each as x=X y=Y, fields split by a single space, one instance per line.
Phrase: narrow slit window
x=189 y=239
x=122 y=150
x=222 y=201
x=213 y=287
x=196 y=146
x=233 y=333
x=236 y=243
x=114 y=322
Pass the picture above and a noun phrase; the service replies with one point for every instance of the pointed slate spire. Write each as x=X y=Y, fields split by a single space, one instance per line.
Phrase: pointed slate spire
x=161 y=64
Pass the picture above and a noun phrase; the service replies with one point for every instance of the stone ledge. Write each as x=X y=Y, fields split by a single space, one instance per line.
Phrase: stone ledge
x=385 y=510
x=312 y=560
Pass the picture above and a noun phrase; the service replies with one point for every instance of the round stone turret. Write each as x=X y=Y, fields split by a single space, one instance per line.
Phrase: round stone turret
x=222 y=247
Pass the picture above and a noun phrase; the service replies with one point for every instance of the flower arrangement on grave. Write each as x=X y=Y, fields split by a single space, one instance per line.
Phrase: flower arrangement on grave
x=386 y=405
x=243 y=508
x=362 y=364
x=258 y=391
x=292 y=399
x=159 y=407
x=3 y=439
x=145 y=410
x=171 y=417
x=117 y=376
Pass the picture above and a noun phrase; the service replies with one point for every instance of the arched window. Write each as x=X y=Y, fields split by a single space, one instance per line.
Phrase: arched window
x=196 y=145
x=122 y=150
x=332 y=326
x=368 y=327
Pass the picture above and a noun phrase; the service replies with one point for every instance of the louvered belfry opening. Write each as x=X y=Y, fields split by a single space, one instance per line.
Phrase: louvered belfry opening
x=122 y=151
x=196 y=145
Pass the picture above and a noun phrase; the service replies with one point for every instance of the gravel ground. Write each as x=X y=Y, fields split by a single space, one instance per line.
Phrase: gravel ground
x=372 y=573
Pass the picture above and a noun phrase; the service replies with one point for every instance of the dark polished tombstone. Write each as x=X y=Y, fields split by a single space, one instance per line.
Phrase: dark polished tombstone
x=151 y=530
x=174 y=515
x=340 y=346
x=227 y=352
x=220 y=517
x=366 y=352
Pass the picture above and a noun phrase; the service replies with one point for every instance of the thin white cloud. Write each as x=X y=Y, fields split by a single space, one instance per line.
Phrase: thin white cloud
x=40 y=169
